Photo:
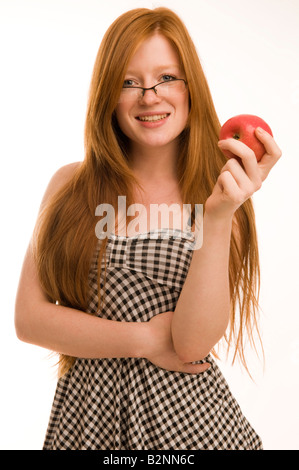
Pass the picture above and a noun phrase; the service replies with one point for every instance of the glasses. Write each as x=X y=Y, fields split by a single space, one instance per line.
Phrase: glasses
x=162 y=89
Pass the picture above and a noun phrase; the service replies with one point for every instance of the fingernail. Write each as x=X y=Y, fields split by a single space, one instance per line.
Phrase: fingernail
x=260 y=130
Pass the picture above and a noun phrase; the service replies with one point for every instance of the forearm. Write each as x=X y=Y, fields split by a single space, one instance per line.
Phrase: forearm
x=69 y=331
x=202 y=312
x=75 y=333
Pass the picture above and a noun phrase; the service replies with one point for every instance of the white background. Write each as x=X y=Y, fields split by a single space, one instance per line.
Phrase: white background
x=249 y=51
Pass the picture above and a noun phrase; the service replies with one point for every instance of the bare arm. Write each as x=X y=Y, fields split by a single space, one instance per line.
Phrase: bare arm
x=75 y=333
x=66 y=330
x=202 y=312
x=69 y=331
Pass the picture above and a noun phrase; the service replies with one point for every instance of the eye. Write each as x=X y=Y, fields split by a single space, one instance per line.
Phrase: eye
x=168 y=78
x=128 y=83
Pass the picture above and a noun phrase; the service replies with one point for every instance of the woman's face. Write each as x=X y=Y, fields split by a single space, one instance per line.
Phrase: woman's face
x=153 y=120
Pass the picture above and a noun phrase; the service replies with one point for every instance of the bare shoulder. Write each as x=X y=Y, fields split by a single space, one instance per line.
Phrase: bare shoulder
x=64 y=174
x=60 y=178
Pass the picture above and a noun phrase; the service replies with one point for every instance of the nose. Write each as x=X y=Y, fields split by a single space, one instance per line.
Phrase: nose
x=149 y=97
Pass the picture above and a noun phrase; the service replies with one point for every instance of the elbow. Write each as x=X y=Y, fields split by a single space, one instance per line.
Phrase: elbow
x=20 y=327
x=196 y=350
x=192 y=347
x=187 y=355
x=20 y=333
x=22 y=323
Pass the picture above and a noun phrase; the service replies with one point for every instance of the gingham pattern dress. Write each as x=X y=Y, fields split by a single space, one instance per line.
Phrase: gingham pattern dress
x=130 y=404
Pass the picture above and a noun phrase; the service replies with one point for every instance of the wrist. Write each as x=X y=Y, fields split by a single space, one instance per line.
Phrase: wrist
x=143 y=339
x=219 y=214
x=218 y=222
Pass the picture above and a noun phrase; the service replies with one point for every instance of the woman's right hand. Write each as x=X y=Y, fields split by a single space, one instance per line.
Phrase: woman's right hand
x=162 y=353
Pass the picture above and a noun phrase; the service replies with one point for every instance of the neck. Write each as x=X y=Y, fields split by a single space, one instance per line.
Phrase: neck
x=157 y=164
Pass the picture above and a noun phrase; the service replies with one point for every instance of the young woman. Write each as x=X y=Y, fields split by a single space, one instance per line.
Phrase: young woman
x=135 y=314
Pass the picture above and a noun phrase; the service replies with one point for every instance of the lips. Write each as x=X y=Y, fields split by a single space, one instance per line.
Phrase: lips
x=152 y=117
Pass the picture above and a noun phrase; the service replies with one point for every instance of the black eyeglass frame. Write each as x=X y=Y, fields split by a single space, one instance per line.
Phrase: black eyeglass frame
x=154 y=87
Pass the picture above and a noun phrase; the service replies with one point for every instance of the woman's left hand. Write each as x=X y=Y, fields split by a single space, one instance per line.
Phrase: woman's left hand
x=235 y=183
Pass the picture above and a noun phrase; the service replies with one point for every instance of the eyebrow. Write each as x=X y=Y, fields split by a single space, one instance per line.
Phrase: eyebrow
x=160 y=68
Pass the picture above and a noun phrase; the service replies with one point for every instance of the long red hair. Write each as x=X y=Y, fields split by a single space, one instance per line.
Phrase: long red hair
x=65 y=237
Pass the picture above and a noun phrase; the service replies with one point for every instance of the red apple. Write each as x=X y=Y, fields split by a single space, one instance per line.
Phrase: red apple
x=242 y=128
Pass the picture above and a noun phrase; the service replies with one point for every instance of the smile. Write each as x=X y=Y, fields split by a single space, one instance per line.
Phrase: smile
x=156 y=117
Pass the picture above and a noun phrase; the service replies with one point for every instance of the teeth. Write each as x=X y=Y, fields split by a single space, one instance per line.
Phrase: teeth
x=156 y=117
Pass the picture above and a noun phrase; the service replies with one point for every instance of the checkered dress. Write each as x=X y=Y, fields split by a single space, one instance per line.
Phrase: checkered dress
x=130 y=404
